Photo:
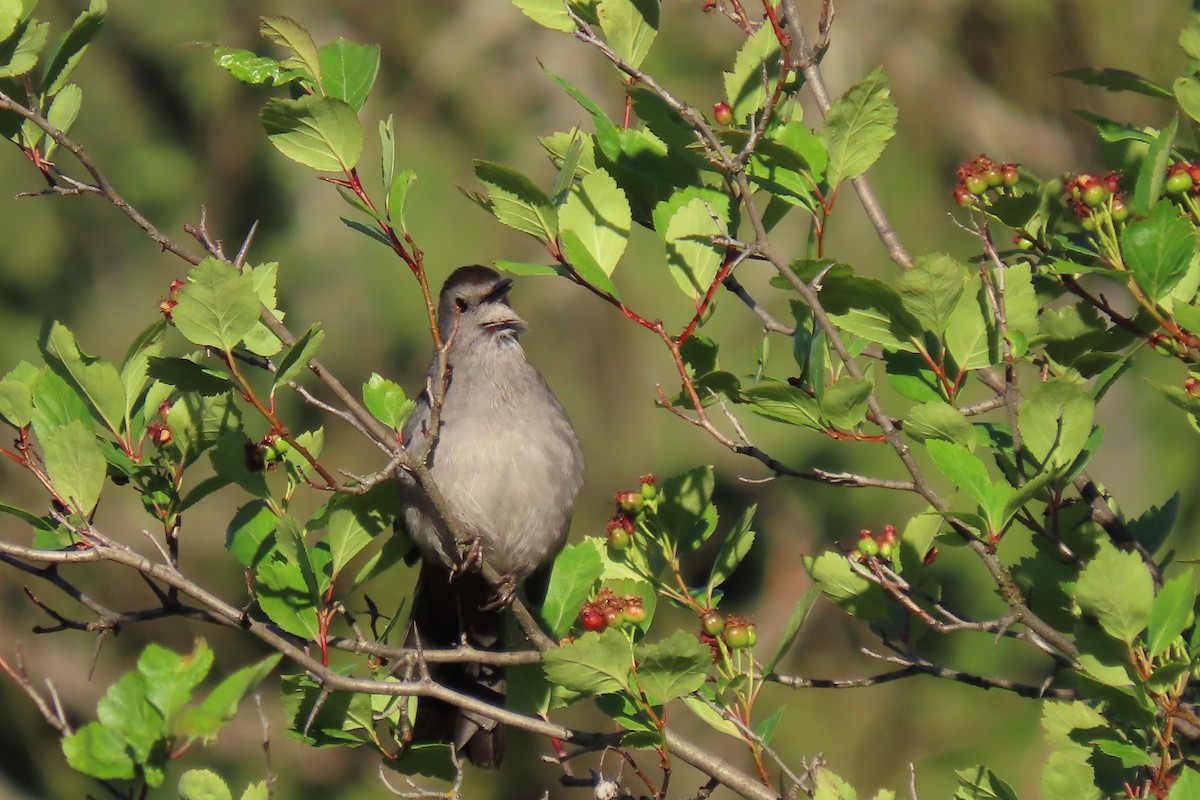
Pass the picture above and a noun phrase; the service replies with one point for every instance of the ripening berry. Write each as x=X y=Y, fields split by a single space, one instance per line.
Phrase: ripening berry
x=159 y=433
x=591 y=619
x=1112 y=182
x=868 y=547
x=635 y=613
x=1120 y=211
x=993 y=177
x=976 y=184
x=737 y=636
x=649 y=487
x=963 y=197
x=712 y=624
x=1009 y=175
x=619 y=539
x=1179 y=180
x=722 y=113
x=1093 y=195
x=629 y=502
x=751 y=635
x=1192 y=386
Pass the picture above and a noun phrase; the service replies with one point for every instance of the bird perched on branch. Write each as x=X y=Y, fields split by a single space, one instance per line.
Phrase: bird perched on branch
x=509 y=467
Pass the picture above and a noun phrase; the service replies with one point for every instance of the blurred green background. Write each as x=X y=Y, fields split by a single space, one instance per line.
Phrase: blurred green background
x=462 y=78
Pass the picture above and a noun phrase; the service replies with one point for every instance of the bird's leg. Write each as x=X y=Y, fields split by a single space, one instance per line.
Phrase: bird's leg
x=471 y=559
x=506 y=592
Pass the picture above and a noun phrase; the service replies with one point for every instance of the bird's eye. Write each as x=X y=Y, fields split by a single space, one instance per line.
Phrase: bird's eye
x=461 y=303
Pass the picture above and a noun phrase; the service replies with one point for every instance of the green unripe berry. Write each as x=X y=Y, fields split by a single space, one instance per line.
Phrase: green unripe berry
x=1094 y=195
x=712 y=623
x=737 y=636
x=976 y=184
x=1178 y=182
x=993 y=177
x=619 y=539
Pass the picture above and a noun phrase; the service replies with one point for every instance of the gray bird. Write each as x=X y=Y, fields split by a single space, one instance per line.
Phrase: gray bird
x=508 y=463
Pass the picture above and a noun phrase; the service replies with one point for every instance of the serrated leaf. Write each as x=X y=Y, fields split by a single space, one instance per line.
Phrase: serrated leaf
x=56 y=403
x=323 y=133
x=550 y=14
x=75 y=463
x=1171 y=613
x=251 y=68
x=19 y=53
x=289 y=34
x=1056 y=420
x=847 y=589
x=685 y=509
x=579 y=258
x=217 y=307
x=1158 y=250
x=970 y=333
x=222 y=702
x=980 y=783
x=938 y=420
x=1186 y=91
x=1116 y=589
x=734 y=547
x=870 y=309
x=251 y=533
x=576 y=570
x=691 y=256
x=203 y=784
x=348 y=71
x=1067 y=777
x=932 y=289
x=844 y=404
x=297 y=358
x=629 y=27
x=673 y=667
x=786 y=403
x=858 y=127
x=16 y=403
x=355 y=520
x=597 y=211
x=63 y=112
x=283 y=595
x=831 y=787
x=99 y=752
x=967 y=471
x=592 y=664
x=1115 y=80
x=518 y=202
x=1148 y=187
x=10 y=15
x=744 y=84
x=64 y=57
x=97 y=380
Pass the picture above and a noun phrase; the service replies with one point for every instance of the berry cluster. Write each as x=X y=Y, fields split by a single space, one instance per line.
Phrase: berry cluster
x=1087 y=194
x=630 y=505
x=1183 y=177
x=737 y=632
x=610 y=611
x=980 y=175
x=157 y=430
x=882 y=545
x=172 y=300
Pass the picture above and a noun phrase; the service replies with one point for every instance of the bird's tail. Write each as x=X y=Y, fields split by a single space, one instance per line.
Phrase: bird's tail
x=445 y=614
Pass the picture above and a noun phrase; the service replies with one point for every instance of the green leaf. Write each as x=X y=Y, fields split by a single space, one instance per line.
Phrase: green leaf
x=64 y=57
x=355 y=520
x=579 y=258
x=970 y=334
x=283 y=596
x=1056 y=421
x=831 y=787
x=1116 y=589
x=203 y=784
x=76 y=464
x=229 y=456
x=592 y=664
x=691 y=256
x=938 y=420
x=398 y=194
x=323 y=133
x=795 y=622
x=673 y=667
x=1115 y=80
x=63 y=112
x=786 y=403
x=10 y=15
x=858 y=127
x=964 y=469
x=348 y=71
x=734 y=548
x=135 y=368
x=1148 y=188
x=289 y=34
x=251 y=533
x=217 y=307
x=847 y=589
x=629 y=26
x=99 y=752
x=1171 y=614
x=297 y=358
x=844 y=404
x=16 y=403
x=222 y=703
x=171 y=677
x=685 y=509
x=96 y=379
x=1186 y=91
x=256 y=791
x=517 y=201
x=55 y=403
x=597 y=211
x=576 y=570
x=522 y=268
x=550 y=14
x=249 y=67
x=19 y=53
x=744 y=83
x=1158 y=250
x=980 y=783
x=931 y=290
x=1187 y=787
x=386 y=401
x=125 y=710
x=711 y=716
x=870 y=309
x=1067 y=777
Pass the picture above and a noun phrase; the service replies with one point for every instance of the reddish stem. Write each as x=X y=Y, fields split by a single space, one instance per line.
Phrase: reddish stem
x=723 y=273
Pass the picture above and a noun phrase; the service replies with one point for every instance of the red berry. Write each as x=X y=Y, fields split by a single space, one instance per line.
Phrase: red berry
x=737 y=636
x=176 y=285
x=159 y=433
x=712 y=624
x=722 y=113
x=165 y=307
x=1192 y=386
x=635 y=613
x=613 y=617
x=962 y=196
x=1009 y=175
x=591 y=619
x=1112 y=182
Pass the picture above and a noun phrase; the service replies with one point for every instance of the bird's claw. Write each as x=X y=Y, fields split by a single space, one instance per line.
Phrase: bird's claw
x=506 y=592
x=472 y=557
